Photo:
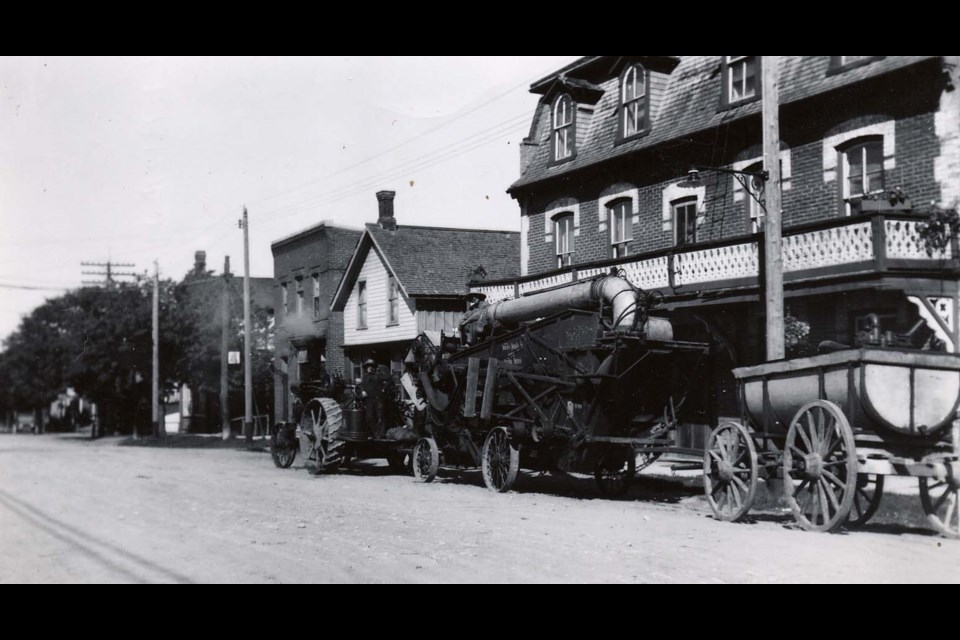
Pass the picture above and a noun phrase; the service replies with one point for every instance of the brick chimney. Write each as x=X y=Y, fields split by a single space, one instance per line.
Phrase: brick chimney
x=200 y=261
x=386 y=219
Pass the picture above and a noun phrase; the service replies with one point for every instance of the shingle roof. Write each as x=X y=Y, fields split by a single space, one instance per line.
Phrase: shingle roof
x=440 y=261
x=690 y=104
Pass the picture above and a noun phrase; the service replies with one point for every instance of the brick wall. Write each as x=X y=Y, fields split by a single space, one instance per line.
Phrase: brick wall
x=924 y=164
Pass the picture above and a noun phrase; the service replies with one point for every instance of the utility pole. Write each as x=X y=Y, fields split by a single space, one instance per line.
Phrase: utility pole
x=772 y=224
x=107 y=273
x=224 y=350
x=158 y=426
x=247 y=334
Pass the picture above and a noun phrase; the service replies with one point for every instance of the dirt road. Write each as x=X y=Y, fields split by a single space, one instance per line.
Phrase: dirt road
x=74 y=510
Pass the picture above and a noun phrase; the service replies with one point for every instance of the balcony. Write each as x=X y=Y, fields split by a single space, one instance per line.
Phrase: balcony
x=864 y=247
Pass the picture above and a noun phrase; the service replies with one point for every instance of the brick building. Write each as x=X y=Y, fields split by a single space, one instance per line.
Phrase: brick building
x=307 y=268
x=868 y=143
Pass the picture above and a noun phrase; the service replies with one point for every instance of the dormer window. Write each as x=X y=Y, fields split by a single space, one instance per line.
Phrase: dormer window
x=564 y=140
x=741 y=77
x=633 y=101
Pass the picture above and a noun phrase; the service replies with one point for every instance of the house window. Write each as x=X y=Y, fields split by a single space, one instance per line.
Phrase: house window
x=741 y=75
x=563 y=131
x=620 y=214
x=316 y=296
x=839 y=64
x=563 y=227
x=362 y=304
x=633 y=94
x=393 y=301
x=284 y=301
x=299 y=296
x=862 y=167
x=685 y=216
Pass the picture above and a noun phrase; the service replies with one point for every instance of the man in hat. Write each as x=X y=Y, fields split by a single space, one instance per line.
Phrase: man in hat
x=376 y=386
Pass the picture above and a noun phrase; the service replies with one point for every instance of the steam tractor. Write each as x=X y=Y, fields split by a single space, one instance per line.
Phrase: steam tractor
x=330 y=429
x=578 y=378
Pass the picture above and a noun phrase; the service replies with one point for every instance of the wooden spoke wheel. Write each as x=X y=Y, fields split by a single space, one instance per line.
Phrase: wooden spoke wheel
x=941 y=503
x=283 y=445
x=730 y=471
x=615 y=471
x=425 y=459
x=397 y=461
x=866 y=499
x=499 y=461
x=820 y=466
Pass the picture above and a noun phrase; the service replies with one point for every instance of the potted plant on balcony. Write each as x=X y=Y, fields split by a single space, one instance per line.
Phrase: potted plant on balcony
x=892 y=200
x=941 y=227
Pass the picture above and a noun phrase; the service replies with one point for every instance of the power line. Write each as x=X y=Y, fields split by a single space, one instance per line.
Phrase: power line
x=108 y=274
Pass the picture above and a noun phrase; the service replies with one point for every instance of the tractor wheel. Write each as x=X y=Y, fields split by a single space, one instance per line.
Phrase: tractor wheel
x=323 y=418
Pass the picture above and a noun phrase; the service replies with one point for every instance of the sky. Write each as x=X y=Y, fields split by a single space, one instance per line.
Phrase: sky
x=140 y=159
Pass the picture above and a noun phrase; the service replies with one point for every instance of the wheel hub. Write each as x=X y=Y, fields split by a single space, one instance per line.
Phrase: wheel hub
x=813 y=466
x=726 y=471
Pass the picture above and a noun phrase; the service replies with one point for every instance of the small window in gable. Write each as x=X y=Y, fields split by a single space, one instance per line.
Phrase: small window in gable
x=621 y=230
x=564 y=138
x=361 y=304
x=685 y=220
x=633 y=101
x=563 y=228
x=393 y=301
x=861 y=164
x=741 y=78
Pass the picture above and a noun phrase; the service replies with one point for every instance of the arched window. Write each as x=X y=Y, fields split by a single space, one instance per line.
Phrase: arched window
x=862 y=167
x=633 y=101
x=685 y=219
x=563 y=227
x=620 y=214
x=563 y=128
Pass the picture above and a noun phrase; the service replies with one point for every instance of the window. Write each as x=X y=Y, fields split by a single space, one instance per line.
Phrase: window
x=685 y=215
x=284 y=301
x=563 y=227
x=621 y=230
x=839 y=64
x=362 y=304
x=633 y=94
x=563 y=131
x=862 y=167
x=741 y=77
x=393 y=301
x=316 y=296
x=299 y=296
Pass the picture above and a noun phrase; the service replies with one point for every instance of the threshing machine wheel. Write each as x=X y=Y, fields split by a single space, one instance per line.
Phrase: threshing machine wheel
x=730 y=471
x=941 y=503
x=615 y=471
x=398 y=462
x=425 y=459
x=283 y=445
x=866 y=499
x=323 y=418
x=820 y=466
x=499 y=460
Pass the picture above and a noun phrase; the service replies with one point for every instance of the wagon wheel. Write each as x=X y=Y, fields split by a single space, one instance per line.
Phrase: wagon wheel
x=398 y=462
x=425 y=459
x=866 y=499
x=941 y=503
x=323 y=418
x=615 y=471
x=499 y=461
x=820 y=466
x=730 y=471
x=283 y=445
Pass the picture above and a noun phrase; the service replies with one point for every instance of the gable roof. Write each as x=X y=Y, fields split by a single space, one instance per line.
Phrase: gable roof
x=434 y=261
x=691 y=104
